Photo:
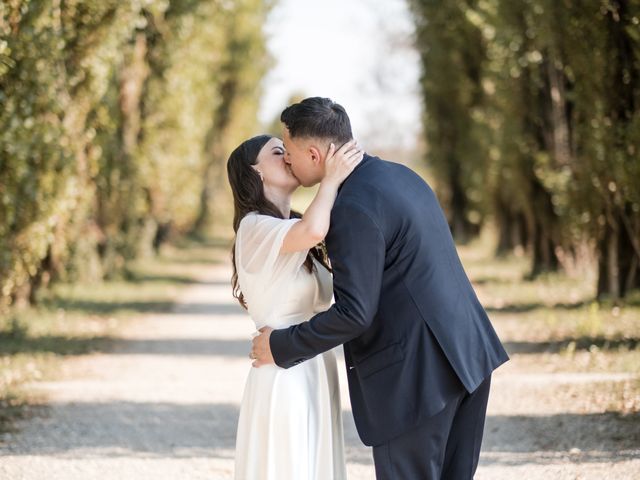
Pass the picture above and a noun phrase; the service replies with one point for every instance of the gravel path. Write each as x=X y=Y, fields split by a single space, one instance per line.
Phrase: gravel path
x=164 y=405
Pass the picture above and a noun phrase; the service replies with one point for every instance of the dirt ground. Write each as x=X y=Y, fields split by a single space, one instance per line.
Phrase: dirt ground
x=164 y=405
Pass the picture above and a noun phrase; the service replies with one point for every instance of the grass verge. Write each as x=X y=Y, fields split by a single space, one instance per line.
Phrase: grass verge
x=79 y=319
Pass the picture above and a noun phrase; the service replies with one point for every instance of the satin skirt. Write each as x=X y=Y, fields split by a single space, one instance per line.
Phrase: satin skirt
x=290 y=425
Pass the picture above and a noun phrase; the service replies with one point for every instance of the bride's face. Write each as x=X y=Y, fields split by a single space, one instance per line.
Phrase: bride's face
x=303 y=157
x=275 y=171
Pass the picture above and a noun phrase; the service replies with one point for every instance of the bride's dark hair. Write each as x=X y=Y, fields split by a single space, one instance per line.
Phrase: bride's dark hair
x=248 y=196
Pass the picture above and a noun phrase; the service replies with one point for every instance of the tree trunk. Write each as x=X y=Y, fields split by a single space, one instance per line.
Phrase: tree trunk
x=613 y=268
x=629 y=256
x=504 y=225
x=542 y=233
x=511 y=229
x=461 y=228
x=214 y=167
x=205 y=214
x=618 y=266
x=619 y=248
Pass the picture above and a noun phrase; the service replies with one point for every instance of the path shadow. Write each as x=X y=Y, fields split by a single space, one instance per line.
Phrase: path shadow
x=183 y=280
x=60 y=345
x=539 y=439
x=484 y=280
x=184 y=347
x=121 y=428
x=593 y=437
x=210 y=309
x=56 y=344
x=528 y=307
x=193 y=260
x=110 y=308
x=579 y=343
x=169 y=430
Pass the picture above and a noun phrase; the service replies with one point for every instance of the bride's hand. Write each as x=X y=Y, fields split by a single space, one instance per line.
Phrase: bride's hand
x=340 y=163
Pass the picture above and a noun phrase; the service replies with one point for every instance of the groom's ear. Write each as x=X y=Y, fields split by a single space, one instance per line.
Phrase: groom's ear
x=315 y=154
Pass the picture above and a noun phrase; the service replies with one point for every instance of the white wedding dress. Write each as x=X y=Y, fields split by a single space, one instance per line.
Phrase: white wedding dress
x=290 y=425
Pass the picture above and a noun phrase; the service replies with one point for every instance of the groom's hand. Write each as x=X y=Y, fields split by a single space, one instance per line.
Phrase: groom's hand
x=261 y=350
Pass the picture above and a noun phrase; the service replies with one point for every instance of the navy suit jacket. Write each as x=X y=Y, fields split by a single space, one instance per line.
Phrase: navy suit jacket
x=415 y=335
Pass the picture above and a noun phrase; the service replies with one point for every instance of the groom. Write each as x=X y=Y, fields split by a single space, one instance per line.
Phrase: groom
x=418 y=345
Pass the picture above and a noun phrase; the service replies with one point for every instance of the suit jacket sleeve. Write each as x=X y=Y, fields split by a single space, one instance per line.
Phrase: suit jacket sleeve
x=356 y=247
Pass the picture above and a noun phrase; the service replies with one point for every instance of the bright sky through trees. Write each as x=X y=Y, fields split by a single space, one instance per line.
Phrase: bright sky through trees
x=357 y=52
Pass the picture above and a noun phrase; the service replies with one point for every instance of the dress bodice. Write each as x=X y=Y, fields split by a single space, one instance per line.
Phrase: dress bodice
x=278 y=288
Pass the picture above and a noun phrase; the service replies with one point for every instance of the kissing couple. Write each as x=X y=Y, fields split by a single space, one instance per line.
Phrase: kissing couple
x=371 y=265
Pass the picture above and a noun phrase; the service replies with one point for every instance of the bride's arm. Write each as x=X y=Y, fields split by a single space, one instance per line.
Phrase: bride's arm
x=314 y=225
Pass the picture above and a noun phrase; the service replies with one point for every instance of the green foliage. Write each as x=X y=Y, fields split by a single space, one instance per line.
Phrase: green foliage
x=532 y=111
x=109 y=110
x=452 y=52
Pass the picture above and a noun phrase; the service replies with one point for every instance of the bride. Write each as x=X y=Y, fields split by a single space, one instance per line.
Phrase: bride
x=290 y=425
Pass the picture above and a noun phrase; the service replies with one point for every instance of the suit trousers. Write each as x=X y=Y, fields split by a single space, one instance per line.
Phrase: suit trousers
x=445 y=447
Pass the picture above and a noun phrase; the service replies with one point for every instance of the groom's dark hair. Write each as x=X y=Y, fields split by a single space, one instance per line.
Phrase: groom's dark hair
x=318 y=117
